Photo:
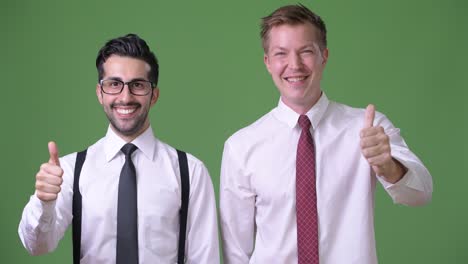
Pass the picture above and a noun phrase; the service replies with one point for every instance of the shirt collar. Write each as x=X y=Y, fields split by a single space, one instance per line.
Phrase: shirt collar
x=286 y=115
x=145 y=142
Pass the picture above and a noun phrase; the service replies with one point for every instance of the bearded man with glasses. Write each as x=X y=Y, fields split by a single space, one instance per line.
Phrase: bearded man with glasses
x=130 y=197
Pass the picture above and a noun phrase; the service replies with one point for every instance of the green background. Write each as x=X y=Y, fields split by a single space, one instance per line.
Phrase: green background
x=406 y=57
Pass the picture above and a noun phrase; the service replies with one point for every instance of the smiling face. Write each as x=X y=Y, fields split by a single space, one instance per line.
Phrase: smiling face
x=127 y=113
x=296 y=64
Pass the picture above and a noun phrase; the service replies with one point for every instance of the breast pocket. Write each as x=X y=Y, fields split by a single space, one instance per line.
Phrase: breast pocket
x=161 y=223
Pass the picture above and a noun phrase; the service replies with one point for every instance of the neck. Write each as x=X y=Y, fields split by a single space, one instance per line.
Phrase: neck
x=303 y=108
x=129 y=138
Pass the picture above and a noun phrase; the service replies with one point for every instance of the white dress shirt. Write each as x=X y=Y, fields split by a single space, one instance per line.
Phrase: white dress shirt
x=159 y=200
x=258 y=196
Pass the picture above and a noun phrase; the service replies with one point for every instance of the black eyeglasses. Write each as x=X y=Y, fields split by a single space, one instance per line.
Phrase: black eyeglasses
x=138 y=87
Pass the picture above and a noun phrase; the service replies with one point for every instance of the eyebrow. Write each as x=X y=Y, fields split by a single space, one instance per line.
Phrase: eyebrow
x=132 y=80
x=308 y=46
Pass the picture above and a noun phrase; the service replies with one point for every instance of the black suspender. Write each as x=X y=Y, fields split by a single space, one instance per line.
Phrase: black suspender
x=185 y=182
x=76 y=231
x=184 y=179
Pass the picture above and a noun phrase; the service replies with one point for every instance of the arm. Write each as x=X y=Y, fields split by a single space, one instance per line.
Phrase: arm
x=401 y=173
x=237 y=209
x=414 y=188
x=202 y=224
x=48 y=213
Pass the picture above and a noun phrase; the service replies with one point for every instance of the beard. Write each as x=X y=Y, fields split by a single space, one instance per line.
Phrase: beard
x=131 y=126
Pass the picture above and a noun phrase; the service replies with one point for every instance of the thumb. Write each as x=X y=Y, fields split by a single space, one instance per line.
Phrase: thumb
x=369 y=116
x=53 y=152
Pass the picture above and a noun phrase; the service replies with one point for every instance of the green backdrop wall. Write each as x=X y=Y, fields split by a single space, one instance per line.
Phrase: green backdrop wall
x=406 y=57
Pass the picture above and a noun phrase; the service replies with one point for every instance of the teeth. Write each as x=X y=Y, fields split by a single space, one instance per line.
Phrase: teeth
x=125 y=111
x=295 y=79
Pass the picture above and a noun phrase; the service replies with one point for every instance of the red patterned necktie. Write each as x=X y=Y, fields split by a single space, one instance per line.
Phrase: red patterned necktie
x=306 y=197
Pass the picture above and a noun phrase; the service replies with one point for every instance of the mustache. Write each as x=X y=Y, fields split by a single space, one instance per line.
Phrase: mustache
x=125 y=104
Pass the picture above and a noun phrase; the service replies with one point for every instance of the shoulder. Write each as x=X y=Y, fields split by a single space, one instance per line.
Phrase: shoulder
x=68 y=161
x=339 y=110
x=171 y=153
x=255 y=131
x=340 y=114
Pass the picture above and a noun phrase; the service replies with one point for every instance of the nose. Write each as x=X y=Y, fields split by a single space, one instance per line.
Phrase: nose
x=125 y=95
x=295 y=61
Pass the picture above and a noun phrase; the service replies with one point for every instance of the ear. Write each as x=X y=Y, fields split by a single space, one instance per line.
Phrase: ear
x=155 y=96
x=266 y=60
x=99 y=93
x=324 y=56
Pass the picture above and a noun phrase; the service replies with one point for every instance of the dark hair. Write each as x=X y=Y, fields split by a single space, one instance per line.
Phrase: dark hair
x=130 y=45
x=292 y=15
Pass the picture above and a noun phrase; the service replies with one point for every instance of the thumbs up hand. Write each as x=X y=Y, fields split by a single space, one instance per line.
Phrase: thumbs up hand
x=49 y=177
x=375 y=147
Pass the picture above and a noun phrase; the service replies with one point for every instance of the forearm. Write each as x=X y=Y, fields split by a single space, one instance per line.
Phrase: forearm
x=37 y=228
x=237 y=212
x=407 y=180
x=414 y=188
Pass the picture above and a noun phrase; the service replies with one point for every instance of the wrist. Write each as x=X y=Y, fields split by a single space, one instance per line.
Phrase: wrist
x=396 y=171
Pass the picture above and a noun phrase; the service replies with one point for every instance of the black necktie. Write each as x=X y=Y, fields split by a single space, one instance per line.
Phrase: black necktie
x=127 y=215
